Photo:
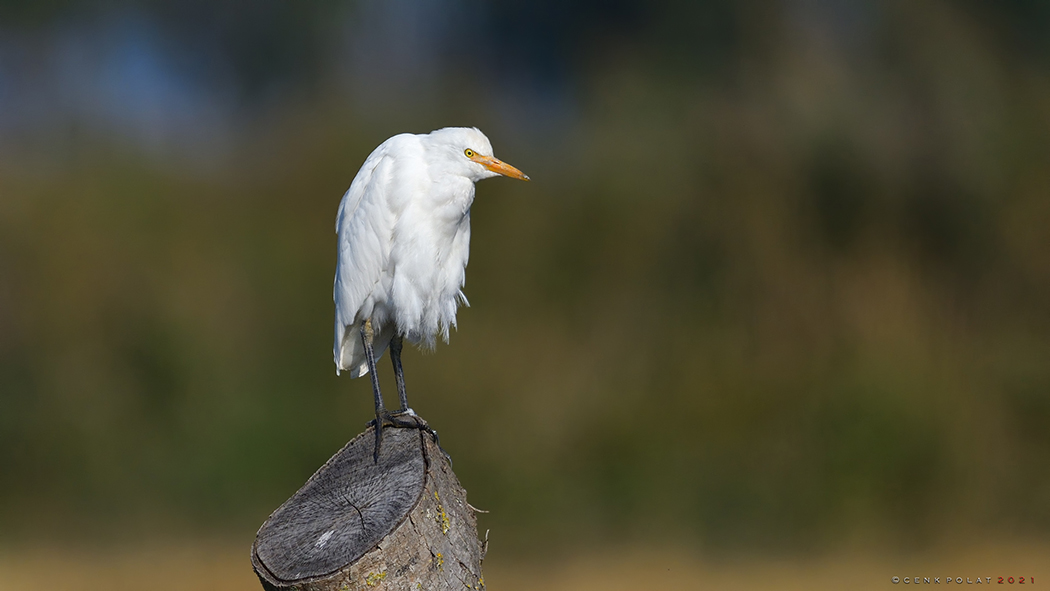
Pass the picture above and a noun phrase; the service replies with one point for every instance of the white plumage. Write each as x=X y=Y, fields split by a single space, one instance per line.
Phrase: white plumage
x=404 y=233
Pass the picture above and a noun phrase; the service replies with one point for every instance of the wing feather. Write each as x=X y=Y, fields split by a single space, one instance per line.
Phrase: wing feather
x=364 y=226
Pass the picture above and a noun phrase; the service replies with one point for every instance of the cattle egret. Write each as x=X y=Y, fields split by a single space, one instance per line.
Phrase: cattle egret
x=404 y=233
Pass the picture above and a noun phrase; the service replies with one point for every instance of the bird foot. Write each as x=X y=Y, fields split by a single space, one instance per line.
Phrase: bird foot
x=405 y=418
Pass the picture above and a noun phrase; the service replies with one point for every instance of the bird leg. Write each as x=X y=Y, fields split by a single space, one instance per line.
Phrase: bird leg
x=405 y=411
x=402 y=418
x=399 y=374
x=367 y=336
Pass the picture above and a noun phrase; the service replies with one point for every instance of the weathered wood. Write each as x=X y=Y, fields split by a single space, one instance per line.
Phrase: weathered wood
x=401 y=524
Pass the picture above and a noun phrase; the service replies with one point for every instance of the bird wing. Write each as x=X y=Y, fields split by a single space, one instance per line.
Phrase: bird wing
x=365 y=228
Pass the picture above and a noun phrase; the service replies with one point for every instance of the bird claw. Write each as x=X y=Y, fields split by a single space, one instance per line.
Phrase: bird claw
x=402 y=419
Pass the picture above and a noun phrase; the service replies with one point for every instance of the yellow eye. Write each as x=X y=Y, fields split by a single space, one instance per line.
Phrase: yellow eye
x=469 y=153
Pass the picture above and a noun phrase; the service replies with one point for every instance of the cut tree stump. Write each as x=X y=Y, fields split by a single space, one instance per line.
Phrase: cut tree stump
x=401 y=524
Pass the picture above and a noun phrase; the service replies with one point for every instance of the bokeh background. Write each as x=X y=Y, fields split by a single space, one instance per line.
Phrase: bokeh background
x=779 y=292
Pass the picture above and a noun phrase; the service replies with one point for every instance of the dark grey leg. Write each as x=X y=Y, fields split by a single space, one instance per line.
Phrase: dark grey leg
x=403 y=418
x=399 y=374
x=367 y=336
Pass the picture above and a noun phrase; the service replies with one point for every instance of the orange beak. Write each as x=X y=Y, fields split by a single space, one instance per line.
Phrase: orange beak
x=499 y=167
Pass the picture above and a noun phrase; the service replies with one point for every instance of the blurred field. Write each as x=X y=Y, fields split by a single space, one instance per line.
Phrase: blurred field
x=781 y=282
x=222 y=567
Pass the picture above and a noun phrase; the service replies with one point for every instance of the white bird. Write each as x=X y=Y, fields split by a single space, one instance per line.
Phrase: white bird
x=404 y=233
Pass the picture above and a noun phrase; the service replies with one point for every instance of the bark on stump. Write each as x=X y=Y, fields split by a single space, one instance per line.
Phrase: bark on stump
x=401 y=524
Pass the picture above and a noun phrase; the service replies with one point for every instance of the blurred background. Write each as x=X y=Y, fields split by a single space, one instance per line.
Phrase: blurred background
x=778 y=294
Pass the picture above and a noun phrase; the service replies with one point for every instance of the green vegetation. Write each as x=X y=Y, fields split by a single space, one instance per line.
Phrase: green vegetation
x=801 y=301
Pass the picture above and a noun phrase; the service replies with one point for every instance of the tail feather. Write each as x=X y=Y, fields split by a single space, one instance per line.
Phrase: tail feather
x=351 y=357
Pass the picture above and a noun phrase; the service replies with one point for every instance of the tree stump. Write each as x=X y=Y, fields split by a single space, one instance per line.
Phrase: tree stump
x=401 y=524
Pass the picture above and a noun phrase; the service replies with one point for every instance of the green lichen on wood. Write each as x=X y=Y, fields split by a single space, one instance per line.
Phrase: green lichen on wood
x=374 y=579
x=442 y=516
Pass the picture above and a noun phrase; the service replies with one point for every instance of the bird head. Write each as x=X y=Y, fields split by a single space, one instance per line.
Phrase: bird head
x=467 y=152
